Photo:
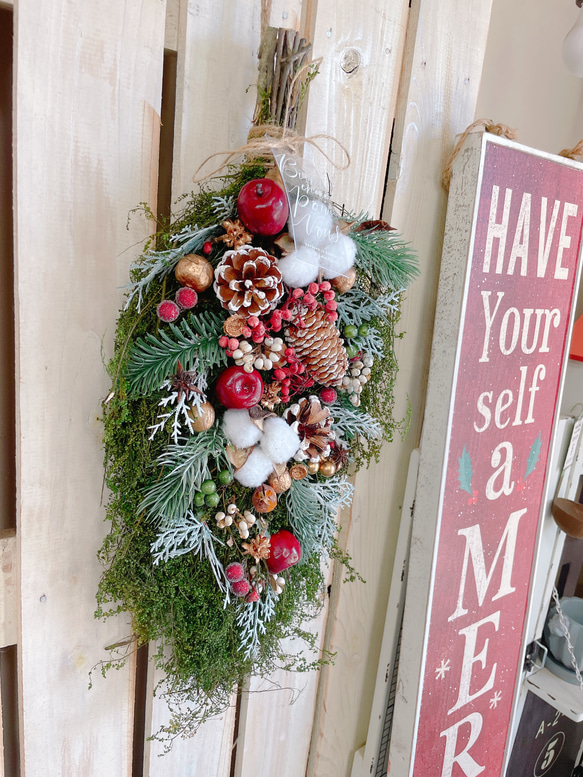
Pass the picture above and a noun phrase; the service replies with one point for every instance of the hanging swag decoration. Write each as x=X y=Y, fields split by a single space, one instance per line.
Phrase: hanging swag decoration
x=253 y=370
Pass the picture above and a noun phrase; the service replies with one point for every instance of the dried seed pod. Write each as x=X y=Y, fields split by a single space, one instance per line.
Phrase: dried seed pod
x=264 y=498
x=202 y=416
x=280 y=482
x=299 y=471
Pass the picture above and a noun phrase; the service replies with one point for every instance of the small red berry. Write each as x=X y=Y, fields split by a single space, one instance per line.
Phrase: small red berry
x=329 y=295
x=223 y=341
x=331 y=305
x=297 y=293
x=207 y=248
x=241 y=587
x=325 y=286
x=332 y=316
x=309 y=299
x=167 y=311
x=253 y=596
x=186 y=298
x=252 y=321
x=279 y=374
x=328 y=396
x=313 y=288
x=246 y=332
x=286 y=315
x=234 y=572
x=233 y=344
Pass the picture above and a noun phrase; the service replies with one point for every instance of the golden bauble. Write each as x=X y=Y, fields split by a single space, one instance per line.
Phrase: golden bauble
x=202 y=417
x=327 y=468
x=313 y=467
x=194 y=271
x=280 y=483
x=344 y=282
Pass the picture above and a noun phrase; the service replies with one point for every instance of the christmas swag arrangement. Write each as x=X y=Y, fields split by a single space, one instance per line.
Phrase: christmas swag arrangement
x=253 y=371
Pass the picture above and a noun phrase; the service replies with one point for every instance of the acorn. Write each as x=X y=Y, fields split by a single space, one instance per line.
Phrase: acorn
x=194 y=271
x=202 y=417
x=264 y=499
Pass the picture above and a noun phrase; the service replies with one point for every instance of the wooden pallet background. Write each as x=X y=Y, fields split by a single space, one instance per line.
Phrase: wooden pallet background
x=398 y=75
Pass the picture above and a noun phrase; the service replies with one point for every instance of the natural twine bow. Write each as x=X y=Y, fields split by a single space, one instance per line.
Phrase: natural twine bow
x=266 y=138
x=575 y=153
x=487 y=124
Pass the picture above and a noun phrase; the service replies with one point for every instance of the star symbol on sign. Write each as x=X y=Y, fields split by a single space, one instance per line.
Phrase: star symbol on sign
x=495 y=699
x=442 y=669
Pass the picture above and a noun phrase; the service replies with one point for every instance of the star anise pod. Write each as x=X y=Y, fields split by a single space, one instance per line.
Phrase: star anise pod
x=236 y=234
x=259 y=547
x=184 y=381
x=339 y=455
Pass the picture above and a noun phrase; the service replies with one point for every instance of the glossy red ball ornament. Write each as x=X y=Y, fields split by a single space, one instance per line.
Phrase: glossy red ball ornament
x=239 y=389
x=285 y=551
x=262 y=207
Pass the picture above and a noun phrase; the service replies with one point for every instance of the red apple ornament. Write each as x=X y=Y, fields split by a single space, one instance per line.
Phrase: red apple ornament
x=285 y=551
x=239 y=389
x=262 y=207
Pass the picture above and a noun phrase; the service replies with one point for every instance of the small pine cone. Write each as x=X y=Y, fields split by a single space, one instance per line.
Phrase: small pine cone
x=248 y=281
x=318 y=346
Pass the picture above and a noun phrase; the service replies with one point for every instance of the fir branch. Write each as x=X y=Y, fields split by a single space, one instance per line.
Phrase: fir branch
x=155 y=265
x=153 y=359
x=385 y=259
x=190 y=535
x=372 y=343
x=184 y=467
x=181 y=403
x=251 y=620
x=350 y=422
x=312 y=510
x=357 y=307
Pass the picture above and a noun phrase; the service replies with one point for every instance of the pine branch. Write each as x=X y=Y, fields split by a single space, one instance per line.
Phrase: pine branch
x=312 y=510
x=190 y=536
x=385 y=259
x=155 y=265
x=251 y=621
x=153 y=359
x=184 y=467
x=356 y=307
x=350 y=422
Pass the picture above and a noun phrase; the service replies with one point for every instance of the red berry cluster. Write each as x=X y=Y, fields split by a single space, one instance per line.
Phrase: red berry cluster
x=309 y=299
x=237 y=576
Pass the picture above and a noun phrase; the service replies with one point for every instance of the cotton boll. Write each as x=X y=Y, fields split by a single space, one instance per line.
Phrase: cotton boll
x=280 y=442
x=299 y=268
x=310 y=224
x=256 y=469
x=240 y=429
x=337 y=255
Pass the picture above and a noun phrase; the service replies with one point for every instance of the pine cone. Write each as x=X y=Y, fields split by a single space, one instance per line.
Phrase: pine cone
x=313 y=423
x=248 y=281
x=318 y=345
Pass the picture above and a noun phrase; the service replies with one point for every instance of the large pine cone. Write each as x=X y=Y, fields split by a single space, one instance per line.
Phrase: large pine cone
x=248 y=281
x=318 y=345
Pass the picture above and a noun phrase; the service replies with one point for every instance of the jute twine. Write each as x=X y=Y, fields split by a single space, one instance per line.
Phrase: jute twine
x=481 y=124
x=265 y=139
x=575 y=153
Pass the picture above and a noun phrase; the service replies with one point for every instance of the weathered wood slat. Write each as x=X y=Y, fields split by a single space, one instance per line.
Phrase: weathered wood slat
x=437 y=100
x=353 y=100
x=9 y=605
x=88 y=83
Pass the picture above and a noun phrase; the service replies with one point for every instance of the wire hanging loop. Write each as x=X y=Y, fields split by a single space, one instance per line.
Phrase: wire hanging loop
x=565 y=628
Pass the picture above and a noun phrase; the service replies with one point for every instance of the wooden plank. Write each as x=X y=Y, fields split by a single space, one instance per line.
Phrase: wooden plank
x=9 y=605
x=217 y=44
x=353 y=100
x=437 y=100
x=88 y=82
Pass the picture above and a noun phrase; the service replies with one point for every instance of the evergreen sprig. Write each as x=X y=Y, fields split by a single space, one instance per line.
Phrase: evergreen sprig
x=153 y=359
x=183 y=469
x=357 y=307
x=312 y=510
x=252 y=619
x=387 y=261
x=350 y=422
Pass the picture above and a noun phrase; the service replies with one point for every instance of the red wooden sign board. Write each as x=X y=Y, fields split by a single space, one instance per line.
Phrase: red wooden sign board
x=515 y=320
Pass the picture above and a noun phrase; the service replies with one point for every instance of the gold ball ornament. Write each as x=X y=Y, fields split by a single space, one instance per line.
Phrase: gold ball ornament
x=313 y=467
x=327 y=468
x=194 y=271
x=202 y=417
x=344 y=282
x=281 y=482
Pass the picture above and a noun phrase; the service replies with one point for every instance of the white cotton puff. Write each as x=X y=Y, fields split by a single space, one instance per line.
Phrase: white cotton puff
x=240 y=429
x=337 y=255
x=300 y=267
x=310 y=224
x=279 y=442
x=256 y=469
